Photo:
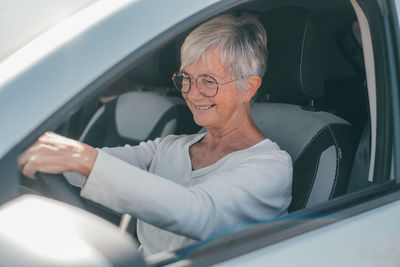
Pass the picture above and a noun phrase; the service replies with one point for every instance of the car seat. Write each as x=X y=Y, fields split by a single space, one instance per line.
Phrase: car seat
x=137 y=116
x=321 y=144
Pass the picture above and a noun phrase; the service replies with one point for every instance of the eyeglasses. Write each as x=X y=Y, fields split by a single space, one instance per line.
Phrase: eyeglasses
x=207 y=85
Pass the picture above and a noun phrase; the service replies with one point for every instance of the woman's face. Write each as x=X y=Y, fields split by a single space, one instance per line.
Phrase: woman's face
x=227 y=108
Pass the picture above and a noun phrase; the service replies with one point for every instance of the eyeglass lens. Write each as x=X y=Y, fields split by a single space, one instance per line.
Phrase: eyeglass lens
x=207 y=85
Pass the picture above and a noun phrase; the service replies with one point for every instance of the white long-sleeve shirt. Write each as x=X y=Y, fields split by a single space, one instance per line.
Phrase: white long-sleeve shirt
x=175 y=205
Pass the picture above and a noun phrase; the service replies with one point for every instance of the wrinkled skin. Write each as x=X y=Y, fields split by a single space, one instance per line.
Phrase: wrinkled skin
x=53 y=154
x=226 y=116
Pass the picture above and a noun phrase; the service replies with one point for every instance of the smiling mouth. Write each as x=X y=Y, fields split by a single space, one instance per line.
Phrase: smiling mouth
x=203 y=107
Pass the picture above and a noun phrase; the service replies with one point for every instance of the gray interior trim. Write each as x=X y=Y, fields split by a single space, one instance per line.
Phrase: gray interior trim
x=131 y=108
x=302 y=52
x=169 y=128
x=370 y=74
x=322 y=188
x=91 y=122
x=272 y=120
x=338 y=155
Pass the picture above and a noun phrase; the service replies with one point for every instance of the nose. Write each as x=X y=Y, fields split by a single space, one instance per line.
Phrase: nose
x=194 y=92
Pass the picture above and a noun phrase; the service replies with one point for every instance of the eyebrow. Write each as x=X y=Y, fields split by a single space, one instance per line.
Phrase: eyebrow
x=208 y=73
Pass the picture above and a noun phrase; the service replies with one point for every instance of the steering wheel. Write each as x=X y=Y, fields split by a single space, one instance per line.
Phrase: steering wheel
x=56 y=186
x=60 y=189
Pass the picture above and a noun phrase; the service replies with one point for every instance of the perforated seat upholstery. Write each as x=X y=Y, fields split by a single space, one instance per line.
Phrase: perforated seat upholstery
x=321 y=144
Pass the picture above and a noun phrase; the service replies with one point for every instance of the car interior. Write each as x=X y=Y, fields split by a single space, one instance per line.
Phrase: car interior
x=313 y=101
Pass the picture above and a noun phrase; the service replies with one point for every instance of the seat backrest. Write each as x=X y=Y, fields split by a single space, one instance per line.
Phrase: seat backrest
x=321 y=144
x=137 y=116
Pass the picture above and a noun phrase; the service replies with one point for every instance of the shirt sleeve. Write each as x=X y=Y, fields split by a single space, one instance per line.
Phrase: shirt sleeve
x=139 y=156
x=257 y=189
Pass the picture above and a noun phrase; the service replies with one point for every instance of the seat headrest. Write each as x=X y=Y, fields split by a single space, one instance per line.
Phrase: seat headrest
x=157 y=68
x=296 y=56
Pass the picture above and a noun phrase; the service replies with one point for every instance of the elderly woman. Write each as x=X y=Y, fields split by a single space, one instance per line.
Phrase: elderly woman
x=190 y=187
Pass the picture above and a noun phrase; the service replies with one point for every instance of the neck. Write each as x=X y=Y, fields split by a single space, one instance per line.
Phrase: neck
x=240 y=134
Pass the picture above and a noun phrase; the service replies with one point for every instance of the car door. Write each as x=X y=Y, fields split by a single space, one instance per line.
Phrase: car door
x=45 y=82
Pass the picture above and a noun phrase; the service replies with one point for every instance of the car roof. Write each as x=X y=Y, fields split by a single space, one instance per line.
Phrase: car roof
x=23 y=20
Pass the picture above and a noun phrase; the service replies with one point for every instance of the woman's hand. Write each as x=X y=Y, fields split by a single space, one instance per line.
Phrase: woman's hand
x=53 y=153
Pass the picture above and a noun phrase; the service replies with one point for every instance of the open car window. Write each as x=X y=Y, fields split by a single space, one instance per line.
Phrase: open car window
x=134 y=100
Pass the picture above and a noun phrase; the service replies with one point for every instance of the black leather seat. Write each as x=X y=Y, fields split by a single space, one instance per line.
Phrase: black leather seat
x=321 y=144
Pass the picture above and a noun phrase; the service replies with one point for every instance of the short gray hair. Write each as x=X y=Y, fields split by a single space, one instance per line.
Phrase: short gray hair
x=240 y=41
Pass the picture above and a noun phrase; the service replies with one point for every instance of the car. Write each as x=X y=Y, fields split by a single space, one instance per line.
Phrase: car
x=100 y=72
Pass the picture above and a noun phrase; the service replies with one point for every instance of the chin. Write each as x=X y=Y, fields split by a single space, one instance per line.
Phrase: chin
x=202 y=122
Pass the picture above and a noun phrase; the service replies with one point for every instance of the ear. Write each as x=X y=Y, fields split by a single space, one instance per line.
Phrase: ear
x=252 y=84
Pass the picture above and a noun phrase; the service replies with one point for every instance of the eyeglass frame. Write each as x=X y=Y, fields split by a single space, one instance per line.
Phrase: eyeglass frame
x=201 y=75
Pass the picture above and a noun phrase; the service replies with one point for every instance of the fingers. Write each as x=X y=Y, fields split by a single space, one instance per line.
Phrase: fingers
x=53 y=138
x=50 y=137
x=29 y=169
x=40 y=164
x=27 y=162
x=25 y=157
x=35 y=150
x=53 y=153
x=61 y=142
x=37 y=156
x=30 y=165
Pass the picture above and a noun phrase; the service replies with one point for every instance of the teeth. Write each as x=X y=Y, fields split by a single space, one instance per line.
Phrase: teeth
x=204 y=107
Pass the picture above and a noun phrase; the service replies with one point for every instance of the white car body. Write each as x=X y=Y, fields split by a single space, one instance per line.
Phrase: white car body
x=53 y=69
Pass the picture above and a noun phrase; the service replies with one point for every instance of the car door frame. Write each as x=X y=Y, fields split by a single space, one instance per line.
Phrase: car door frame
x=342 y=207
